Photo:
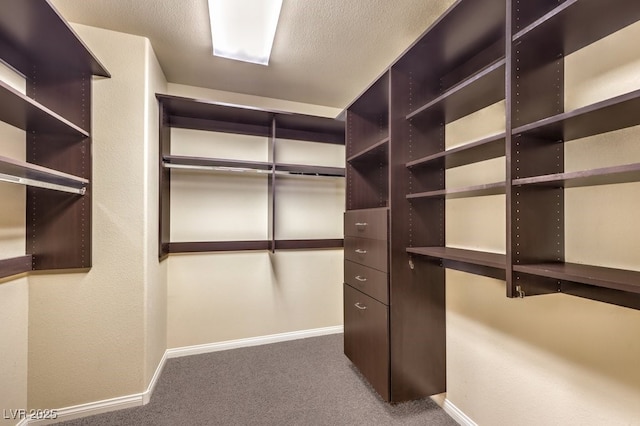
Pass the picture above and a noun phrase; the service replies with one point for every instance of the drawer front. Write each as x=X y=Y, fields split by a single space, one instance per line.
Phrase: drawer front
x=366 y=338
x=369 y=281
x=367 y=252
x=366 y=223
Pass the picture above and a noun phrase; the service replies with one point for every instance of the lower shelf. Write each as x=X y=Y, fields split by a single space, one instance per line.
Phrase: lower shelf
x=476 y=262
x=216 y=246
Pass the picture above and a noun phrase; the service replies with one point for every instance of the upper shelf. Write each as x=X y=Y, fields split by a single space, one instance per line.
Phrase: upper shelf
x=482 y=89
x=473 y=152
x=604 y=176
x=24 y=113
x=496 y=188
x=215 y=116
x=605 y=116
x=34 y=29
x=575 y=24
x=20 y=172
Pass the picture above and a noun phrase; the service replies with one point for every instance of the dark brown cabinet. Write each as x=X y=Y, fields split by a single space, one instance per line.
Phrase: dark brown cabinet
x=477 y=54
x=55 y=113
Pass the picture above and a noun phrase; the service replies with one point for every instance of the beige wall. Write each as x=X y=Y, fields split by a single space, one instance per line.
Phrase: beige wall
x=555 y=359
x=96 y=335
x=214 y=297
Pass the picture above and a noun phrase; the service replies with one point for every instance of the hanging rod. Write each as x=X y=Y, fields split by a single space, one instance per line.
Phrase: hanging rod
x=247 y=170
x=41 y=184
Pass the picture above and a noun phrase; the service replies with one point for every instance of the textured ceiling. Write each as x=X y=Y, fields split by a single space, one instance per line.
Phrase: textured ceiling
x=325 y=52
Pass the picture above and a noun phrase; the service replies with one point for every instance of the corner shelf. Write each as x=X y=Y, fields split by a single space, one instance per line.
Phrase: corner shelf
x=496 y=188
x=20 y=172
x=15 y=265
x=473 y=152
x=378 y=152
x=485 y=263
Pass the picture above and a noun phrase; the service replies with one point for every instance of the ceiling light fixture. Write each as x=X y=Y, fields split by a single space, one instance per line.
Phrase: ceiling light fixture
x=244 y=29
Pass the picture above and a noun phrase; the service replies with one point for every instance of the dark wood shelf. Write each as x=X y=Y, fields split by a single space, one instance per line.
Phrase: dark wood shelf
x=309 y=128
x=482 y=89
x=306 y=170
x=472 y=261
x=214 y=246
x=465 y=192
x=473 y=152
x=309 y=244
x=604 y=176
x=34 y=32
x=612 y=114
x=616 y=279
x=376 y=152
x=24 y=113
x=213 y=163
x=575 y=24
x=16 y=265
x=50 y=178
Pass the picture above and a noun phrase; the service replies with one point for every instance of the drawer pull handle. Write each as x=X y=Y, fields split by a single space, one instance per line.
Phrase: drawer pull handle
x=361 y=224
x=359 y=306
x=360 y=251
x=361 y=279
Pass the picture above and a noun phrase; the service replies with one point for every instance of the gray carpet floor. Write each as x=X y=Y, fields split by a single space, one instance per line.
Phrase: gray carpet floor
x=302 y=382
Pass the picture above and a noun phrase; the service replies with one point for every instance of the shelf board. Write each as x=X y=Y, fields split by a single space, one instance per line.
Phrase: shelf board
x=473 y=152
x=482 y=89
x=16 y=265
x=604 y=176
x=378 y=150
x=215 y=164
x=309 y=244
x=575 y=24
x=465 y=192
x=616 y=279
x=24 y=113
x=212 y=246
x=202 y=114
x=20 y=172
x=612 y=114
x=472 y=261
x=34 y=29
x=306 y=170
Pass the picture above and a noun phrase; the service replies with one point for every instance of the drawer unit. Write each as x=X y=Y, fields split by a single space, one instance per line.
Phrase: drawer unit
x=366 y=338
x=367 y=252
x=368 y=280
x=369 y=223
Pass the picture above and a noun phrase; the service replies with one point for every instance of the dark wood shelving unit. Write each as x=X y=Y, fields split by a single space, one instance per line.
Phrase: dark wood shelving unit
x=196 y=114
x=55 y=113
x=605 y=176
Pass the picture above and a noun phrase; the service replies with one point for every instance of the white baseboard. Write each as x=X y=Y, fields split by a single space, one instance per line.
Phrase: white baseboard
x=252 y=341
x=457 y=414
x=137 y=400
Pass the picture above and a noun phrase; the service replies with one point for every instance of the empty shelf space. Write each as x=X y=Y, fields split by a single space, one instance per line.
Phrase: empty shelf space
x=604 y=176
x=605 y=116
x=617 y=279
x=20 y=172
x=496 y=188
x=482 y=89
x=307 y=170
x=15 y=265
x=377 y=151
x=575 y=24
x=24 y=113
x=473 y=152
x=214 y=164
